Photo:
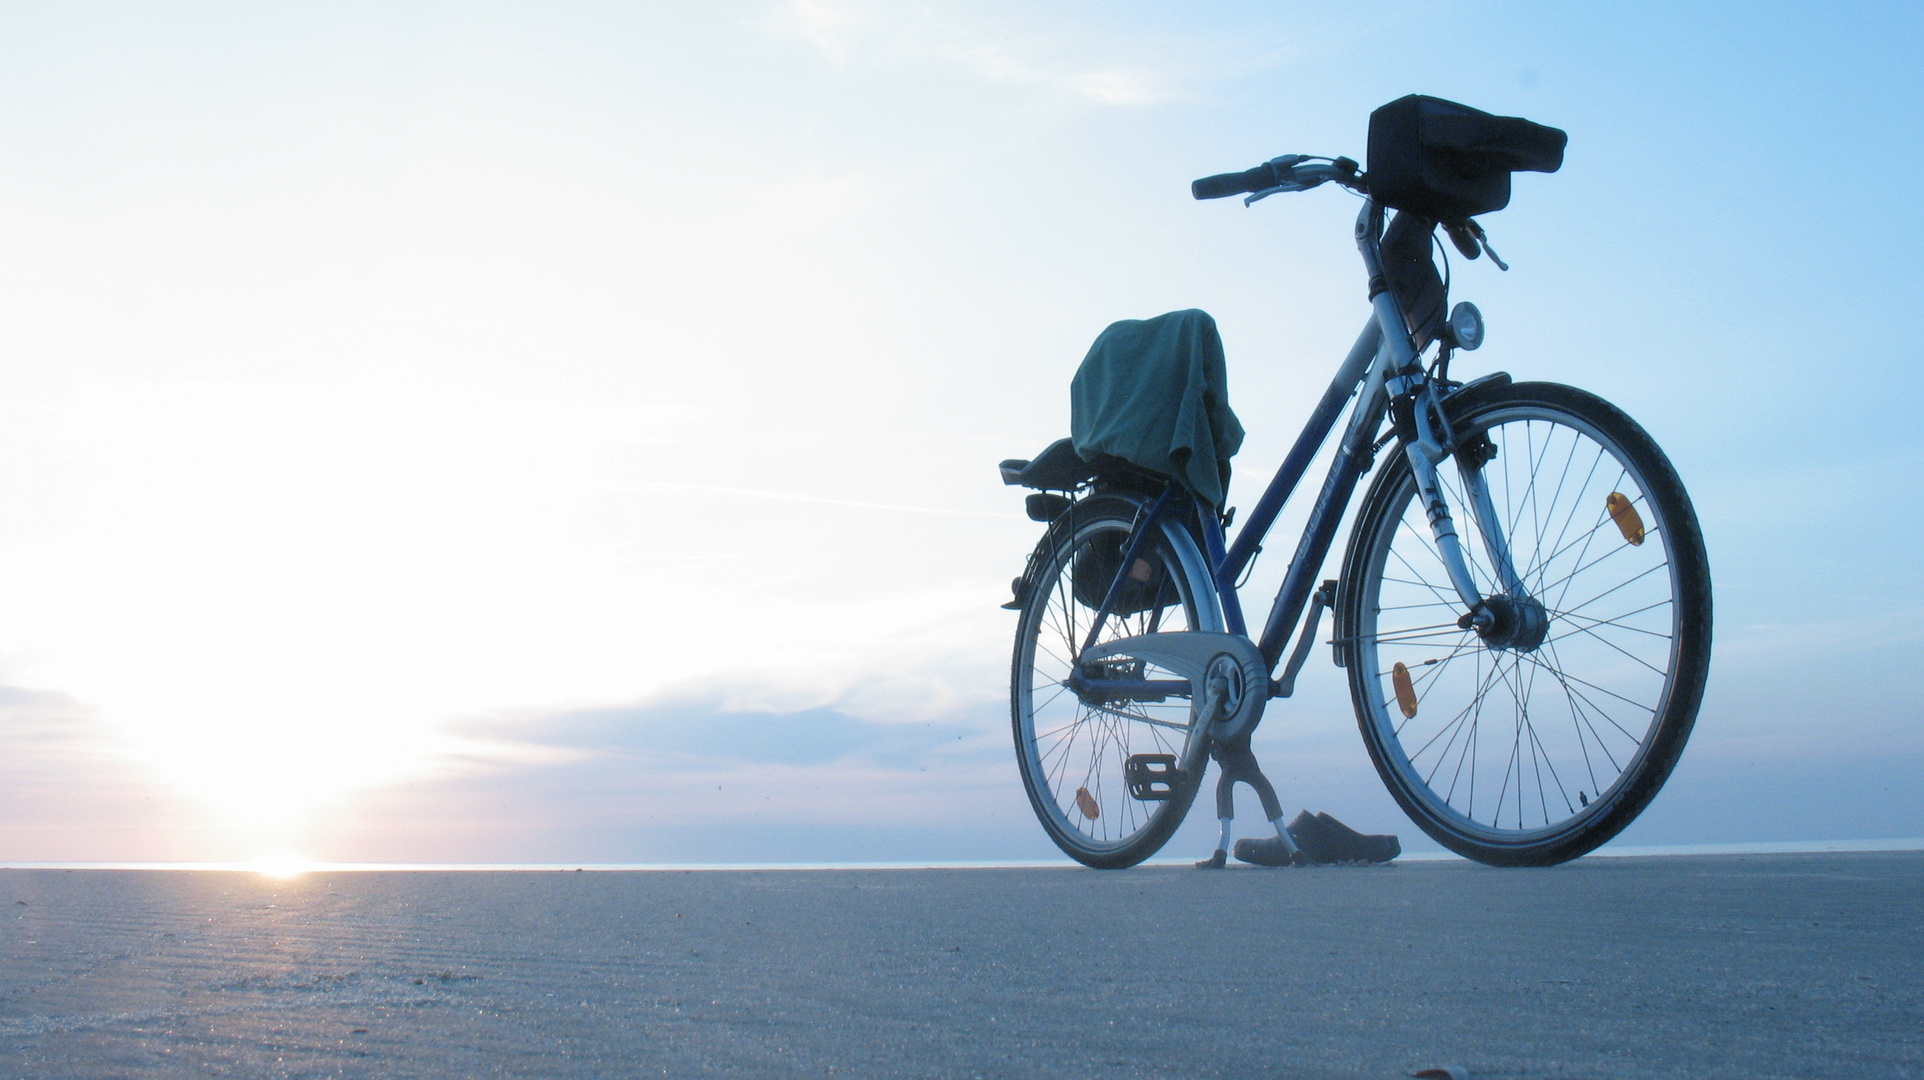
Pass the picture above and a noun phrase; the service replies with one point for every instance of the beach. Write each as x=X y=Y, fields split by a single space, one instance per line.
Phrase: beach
x=1709 y=966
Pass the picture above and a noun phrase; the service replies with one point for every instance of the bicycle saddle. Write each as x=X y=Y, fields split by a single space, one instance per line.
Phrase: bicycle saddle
x=1058 y=468
x=1061 y=468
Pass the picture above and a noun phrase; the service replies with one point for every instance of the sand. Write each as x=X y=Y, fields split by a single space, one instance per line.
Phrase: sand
x=1738 y=966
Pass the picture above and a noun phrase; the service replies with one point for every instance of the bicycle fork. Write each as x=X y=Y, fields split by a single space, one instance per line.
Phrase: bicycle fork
x=1425 y=453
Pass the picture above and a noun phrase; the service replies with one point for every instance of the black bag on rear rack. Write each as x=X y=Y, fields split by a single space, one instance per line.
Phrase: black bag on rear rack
x=1448 y=162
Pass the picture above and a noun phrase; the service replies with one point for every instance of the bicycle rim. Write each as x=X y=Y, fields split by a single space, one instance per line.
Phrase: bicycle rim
x=1533 y=754
x=1072 y=750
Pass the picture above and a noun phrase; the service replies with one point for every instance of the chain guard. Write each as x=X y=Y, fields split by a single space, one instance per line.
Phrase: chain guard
x=1200 y=656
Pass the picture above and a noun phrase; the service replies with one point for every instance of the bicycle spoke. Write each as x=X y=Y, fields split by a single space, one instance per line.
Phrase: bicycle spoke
x=1143 y=719
x=1407 y=633
x=1438 y=593
x=1607 y=592
x=1566 y=579
x=1516 y=737
x=1599 y=710
x=1550 y=764
x=1475 y=700
x=1469 y=748
x=1568 y=459
x=1577 y=723
x=1626 y=652
x=1059 y=691
x=1614 y=621
x=1434 y=667
x=1541 y=760
x=1603 y=690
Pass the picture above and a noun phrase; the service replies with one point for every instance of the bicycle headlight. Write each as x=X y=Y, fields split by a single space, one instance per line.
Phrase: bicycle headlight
x=1466 y=326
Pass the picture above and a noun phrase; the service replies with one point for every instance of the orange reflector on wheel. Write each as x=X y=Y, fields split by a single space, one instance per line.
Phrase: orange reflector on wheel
x=1405 y=690
x=1086 y=803
x=1629 y=523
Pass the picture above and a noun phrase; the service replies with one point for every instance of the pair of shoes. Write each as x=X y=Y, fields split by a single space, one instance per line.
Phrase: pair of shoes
x=1268 y=851
x=1323 y=840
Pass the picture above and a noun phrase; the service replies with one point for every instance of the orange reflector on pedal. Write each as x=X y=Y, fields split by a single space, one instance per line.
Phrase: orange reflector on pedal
x=1086 y=803
x=1629 y=523
x=1405 y=690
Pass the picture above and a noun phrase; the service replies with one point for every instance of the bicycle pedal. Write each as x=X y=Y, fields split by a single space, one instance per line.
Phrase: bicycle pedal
x=1151 y=777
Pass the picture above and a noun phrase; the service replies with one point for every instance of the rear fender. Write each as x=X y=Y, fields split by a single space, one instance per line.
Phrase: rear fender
x=1195 y=568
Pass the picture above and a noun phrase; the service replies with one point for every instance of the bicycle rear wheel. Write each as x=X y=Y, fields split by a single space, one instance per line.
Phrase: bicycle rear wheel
x=1531 y=748
x=1073 y=750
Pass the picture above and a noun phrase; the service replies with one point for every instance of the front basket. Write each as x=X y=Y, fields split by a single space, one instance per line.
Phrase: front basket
x=1448 y=162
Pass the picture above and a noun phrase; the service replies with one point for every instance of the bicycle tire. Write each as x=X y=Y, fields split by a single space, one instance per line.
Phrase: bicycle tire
x=1071 y=751
x=1396 y=612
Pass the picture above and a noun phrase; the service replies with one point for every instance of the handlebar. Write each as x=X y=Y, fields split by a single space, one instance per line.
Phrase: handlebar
x=1221 y=186
x=1291 y=172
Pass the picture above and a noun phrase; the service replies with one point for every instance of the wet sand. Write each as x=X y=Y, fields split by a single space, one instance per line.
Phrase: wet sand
x=1729 y=966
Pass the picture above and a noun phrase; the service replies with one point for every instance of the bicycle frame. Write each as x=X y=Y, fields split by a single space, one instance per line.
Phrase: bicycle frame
x=1383 y=364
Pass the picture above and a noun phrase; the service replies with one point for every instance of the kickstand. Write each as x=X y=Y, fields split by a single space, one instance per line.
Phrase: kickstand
x=1238 y=765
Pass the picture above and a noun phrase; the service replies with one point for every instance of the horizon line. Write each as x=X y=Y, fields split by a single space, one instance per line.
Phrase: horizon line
x=287 y=867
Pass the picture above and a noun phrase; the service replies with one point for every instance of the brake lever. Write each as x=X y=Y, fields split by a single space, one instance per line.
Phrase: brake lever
x=1469 y=235
x=1282 y=170
x=1293 y=184
x=1491 y=252
x=1464 y=237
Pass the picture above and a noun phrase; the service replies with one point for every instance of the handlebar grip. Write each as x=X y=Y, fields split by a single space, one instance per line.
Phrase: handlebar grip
x=1223 y=185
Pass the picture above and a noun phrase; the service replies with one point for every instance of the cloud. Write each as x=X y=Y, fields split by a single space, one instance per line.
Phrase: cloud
x=708 y=732
x=70 y=791
x=703 y=775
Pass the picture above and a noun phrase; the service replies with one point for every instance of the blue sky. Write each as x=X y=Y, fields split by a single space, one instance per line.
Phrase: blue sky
x=566 y=431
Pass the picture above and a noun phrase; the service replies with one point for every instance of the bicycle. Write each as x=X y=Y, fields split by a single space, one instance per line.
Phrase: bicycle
x=1523 y=693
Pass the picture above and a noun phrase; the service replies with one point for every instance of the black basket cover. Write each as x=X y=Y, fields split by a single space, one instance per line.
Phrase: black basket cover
x=1449 y=162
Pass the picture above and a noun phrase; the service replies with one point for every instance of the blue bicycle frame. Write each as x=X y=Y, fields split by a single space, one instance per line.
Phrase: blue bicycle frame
x=1384 y=363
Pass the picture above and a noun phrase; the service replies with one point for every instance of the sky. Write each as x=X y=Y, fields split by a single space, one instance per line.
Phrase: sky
x=567 y=431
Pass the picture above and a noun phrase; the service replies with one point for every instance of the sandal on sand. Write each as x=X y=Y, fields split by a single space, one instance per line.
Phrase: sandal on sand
x=1324 y=840
x=1269 y=851
x=1320 y=841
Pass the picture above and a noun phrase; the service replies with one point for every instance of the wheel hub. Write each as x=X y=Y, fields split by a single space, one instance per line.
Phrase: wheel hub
x=1509 y=622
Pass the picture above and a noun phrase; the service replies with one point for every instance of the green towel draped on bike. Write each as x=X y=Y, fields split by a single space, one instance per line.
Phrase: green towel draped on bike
x=1155 y=393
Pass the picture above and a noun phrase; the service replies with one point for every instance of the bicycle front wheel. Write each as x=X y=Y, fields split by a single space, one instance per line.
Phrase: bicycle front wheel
x=1073 y=749
x=1534 y=746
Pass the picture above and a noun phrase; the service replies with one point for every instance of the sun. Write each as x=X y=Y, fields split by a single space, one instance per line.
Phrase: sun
x=283 y=866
